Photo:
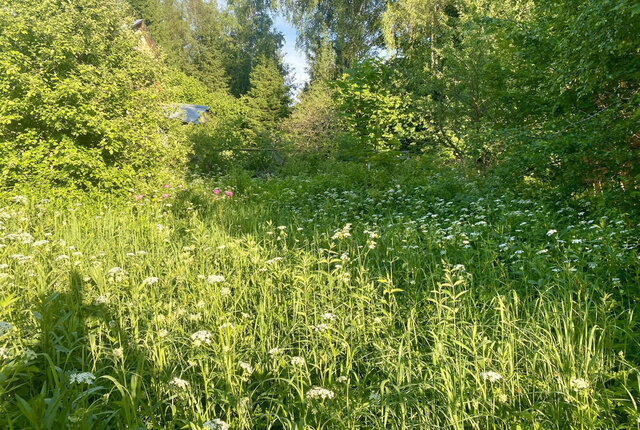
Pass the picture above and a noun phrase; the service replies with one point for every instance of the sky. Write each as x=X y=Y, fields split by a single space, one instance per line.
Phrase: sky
x=295 y=58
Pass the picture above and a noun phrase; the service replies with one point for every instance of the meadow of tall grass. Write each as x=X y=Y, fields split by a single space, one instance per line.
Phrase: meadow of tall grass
x=329 y=301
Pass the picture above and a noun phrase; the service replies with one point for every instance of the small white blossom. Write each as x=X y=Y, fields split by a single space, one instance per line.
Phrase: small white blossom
x=551 y=232
x=216 y=424
x=248 y=369
x=82 y=378
x=180 y=383
x=328 y=316
x=320 y=393
x=214 y=279
x=201 y=337
x=150 y=280
x=101 y=300
x=274 y=352
x=298 y=361
x=118 y=353
x=491 y=376
x=579 y=384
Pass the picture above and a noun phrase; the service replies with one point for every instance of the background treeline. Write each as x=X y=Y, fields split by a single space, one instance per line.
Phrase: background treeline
x=534 y=91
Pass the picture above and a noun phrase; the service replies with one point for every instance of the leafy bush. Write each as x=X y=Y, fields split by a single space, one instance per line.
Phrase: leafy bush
x=79 y=102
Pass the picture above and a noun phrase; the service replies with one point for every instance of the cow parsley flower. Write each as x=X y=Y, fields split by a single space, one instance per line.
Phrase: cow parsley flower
x=319 y=393
x=200 y=338
x=216 y=424
x=328 y=316
x=82 y=378
x=579 y=384
x=551 y=232
x=180 y=383
x=491 y=376
x=150 y=281
x=274 y=352
x=214 y=279
x=101 y=300
x=246 y=367
x=298 y=361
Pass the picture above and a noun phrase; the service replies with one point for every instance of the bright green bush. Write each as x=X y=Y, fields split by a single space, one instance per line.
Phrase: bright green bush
x=80 y=103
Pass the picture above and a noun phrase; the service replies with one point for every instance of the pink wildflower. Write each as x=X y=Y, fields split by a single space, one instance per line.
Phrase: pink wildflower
x=216 y=191
x=139 y=197
x=164 y=196
x=167 y=186
x=228 y=193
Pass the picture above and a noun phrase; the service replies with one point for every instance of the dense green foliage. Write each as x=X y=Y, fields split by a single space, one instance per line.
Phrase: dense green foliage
x=78 y=103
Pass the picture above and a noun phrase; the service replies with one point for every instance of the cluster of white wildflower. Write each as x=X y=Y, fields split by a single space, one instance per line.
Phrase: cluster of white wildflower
x=491 y=376
x=200 y=338
x=228 y=325
x=19 y=199
x=298 y=361
x=551 y=232
x=24 y=238
x=320 y=393
x=247 y=368
x=101 y=300
x=579 y=384
x=118 y=353
x=180 y=383
x=321 y=328
x=342 y=379
x=82 y=378
x=342 y=233
x=117 y=275
x=216 y=424
x=214 y=279
x=328 y=316
x=273 y=352
x=150 y=280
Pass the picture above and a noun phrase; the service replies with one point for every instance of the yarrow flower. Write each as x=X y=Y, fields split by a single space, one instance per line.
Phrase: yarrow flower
x=180 y=383
x=551 y=232
x=328 y=316
x=246 y=367
x=579 y=384
x=150 y=281
x=214 y=279
x=216 y=424
x=298 y=361
x=200 y=338
x=491 y=376
x=320 y=393
x=274 y=352
x=101 y=300
x=82 y=378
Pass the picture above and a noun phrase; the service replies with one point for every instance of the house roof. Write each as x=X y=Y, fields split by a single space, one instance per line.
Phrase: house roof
x=188 y=113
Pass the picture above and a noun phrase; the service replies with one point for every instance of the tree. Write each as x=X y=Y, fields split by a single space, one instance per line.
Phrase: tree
x=268 y=99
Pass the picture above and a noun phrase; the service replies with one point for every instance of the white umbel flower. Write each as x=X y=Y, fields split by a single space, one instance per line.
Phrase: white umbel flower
x=216 y=424
x=491 y=376
x=579 y=384
x=214 y=279
x=82 y=378
x=180 y=383
x=320 y=393
x=200 y=338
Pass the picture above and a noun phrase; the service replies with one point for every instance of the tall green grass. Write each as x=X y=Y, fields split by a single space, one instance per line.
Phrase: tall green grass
x=341 y=300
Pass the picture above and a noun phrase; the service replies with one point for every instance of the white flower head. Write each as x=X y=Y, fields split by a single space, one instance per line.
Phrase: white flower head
x=101 y=300
x=81 y=378
x=328 y=316
x=552 y=232
x=579 y=384
x=298 y=361
x=491 y=376
x=150 y=280
x=274 y=352
x=214 y=279
x=200 y=338
x=320 y=393
x=118 y=353
x=216 y=424
x=180 y=383
x=246 y=367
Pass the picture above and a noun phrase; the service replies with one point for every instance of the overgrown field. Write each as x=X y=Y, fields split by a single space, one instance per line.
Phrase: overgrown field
x=323 y=302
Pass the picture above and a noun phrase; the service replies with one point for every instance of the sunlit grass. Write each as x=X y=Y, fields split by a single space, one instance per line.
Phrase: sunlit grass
x=323 y=302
